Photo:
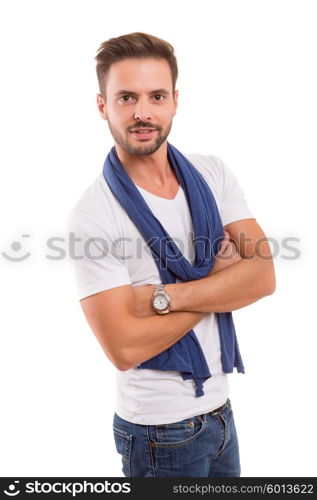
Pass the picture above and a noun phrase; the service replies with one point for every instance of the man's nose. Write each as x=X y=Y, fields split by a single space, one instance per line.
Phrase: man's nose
x=142 y=111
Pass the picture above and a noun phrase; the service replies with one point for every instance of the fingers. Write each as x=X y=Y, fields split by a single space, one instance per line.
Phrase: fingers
x=226 y=235
x=225 y=244
x=228 y=251
x=228 y=248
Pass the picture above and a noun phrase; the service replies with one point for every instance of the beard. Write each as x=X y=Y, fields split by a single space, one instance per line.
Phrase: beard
x=129 y=147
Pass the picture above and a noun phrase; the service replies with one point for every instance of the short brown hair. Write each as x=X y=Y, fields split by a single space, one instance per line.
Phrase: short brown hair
x=132 y=46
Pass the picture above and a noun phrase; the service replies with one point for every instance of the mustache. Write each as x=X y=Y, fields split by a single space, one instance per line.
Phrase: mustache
x=144 y=125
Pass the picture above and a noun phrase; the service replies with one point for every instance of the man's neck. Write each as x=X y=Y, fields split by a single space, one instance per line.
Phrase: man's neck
x=150 y=170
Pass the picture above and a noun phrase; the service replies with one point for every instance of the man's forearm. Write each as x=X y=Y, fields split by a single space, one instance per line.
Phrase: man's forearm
x=148 y=336
x=234 y=287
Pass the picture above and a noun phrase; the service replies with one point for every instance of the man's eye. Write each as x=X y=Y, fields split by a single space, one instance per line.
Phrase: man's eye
x=158 y=97
x=125 y=98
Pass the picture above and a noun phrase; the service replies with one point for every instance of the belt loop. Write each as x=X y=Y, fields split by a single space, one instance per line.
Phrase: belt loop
x=203 y=418
x=220 y=409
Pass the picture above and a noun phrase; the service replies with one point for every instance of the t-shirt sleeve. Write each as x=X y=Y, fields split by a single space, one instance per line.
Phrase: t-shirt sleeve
x=233 y=203
x=95 y=253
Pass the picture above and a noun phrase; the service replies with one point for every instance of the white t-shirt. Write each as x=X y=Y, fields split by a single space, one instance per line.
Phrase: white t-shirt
x=114 y=253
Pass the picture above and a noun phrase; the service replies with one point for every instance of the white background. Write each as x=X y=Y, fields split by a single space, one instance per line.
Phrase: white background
x=248 y=95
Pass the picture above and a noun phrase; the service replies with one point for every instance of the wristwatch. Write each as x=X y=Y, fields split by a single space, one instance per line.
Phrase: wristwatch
x=160 y=300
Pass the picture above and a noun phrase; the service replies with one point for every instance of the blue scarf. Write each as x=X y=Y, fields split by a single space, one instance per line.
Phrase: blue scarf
x=186 y=355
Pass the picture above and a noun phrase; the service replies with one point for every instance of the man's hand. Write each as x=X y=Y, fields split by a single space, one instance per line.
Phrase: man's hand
x=227 y=255
x=249 y=279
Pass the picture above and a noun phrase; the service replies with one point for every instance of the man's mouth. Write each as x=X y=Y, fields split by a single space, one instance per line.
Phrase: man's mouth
x=143 y=133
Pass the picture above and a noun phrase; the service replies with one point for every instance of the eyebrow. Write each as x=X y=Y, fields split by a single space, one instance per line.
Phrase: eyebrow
x=128 y=92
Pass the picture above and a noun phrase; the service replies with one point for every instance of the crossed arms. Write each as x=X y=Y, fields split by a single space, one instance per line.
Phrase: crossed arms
x=130 y=332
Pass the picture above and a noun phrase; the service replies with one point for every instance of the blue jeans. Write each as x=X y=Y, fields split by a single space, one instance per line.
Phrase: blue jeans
x=201 y=446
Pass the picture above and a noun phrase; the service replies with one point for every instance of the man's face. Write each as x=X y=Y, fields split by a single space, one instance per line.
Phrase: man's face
x=139 y=104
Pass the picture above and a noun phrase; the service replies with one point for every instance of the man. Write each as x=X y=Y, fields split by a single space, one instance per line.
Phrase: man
x=172 y=345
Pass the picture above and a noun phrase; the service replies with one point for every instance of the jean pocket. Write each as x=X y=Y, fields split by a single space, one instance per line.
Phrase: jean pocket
x=178 y=433
x=123 y=442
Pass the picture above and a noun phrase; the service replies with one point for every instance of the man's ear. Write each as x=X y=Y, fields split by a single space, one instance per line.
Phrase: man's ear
x=101 y=105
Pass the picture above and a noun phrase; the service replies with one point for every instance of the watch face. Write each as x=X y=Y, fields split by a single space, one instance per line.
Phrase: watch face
x=160 y=302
